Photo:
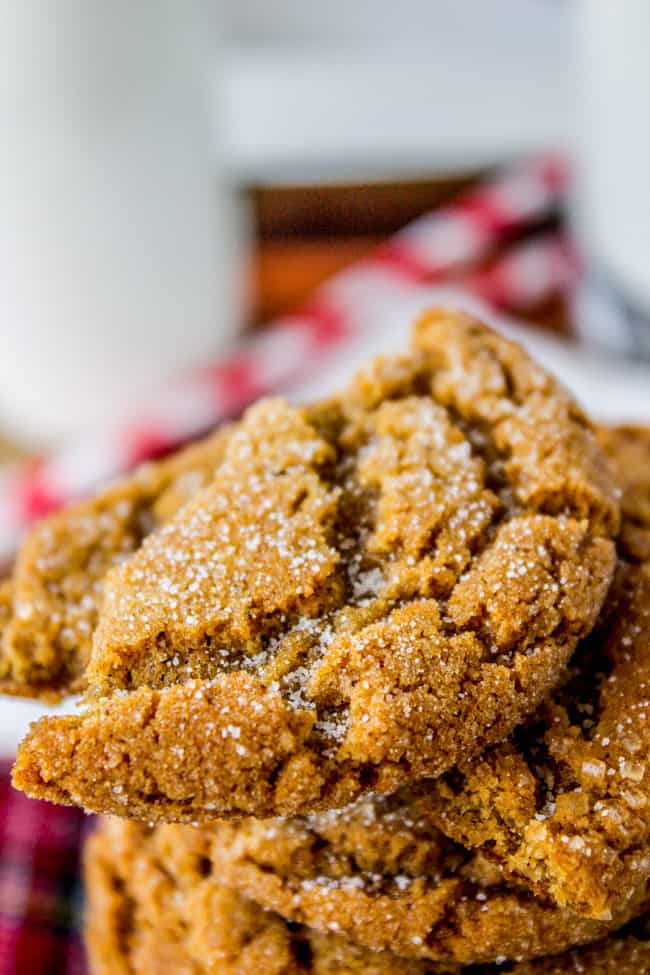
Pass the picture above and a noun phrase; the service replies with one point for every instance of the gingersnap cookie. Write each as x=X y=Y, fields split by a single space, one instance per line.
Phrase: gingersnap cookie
x=564 y=805
x=49 y=605
x=381 y=874
x=370 y=590
x=149 y=914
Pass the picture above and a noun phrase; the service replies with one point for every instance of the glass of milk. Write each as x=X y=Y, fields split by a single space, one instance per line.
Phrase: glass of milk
x=115 y=220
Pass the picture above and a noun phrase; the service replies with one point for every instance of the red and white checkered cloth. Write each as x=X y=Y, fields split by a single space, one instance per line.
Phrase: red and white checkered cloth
x=442 y=246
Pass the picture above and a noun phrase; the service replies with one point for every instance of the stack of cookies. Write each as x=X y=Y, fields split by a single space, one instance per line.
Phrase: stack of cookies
x=367 y=682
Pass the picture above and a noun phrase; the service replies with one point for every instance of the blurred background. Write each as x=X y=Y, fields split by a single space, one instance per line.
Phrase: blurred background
x=204 y=201
x=175 y=173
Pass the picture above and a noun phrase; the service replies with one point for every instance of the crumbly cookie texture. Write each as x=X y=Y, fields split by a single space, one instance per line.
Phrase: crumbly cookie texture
x=149 y=913
x=370 y=590
x=50 y=601
x=49 y=605
x=152 y=911
x=565 y=804
x=628 y=451
x=382 y=875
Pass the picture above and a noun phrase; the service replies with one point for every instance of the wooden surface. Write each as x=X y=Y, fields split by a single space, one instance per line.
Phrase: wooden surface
x=303 y=235
x=345 y=209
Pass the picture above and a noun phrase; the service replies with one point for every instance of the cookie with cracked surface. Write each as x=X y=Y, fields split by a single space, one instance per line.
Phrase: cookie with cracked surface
x=564 y=805
x=370 y=590
x=49 y=605
x=149 y=916
x=381 y=874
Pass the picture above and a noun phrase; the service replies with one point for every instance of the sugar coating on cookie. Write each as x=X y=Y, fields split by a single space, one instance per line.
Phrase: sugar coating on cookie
x=153 y=908
x=381 y=874
x=49 y=605
x=564 y=805
x=369 y=590
x=150 y=913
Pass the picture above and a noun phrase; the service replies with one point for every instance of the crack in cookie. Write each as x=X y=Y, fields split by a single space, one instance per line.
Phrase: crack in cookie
x=155 y=907
x=564 y=805
x=380 y=873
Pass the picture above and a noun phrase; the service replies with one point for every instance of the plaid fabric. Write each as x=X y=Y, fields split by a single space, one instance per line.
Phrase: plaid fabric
x=40 y=886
